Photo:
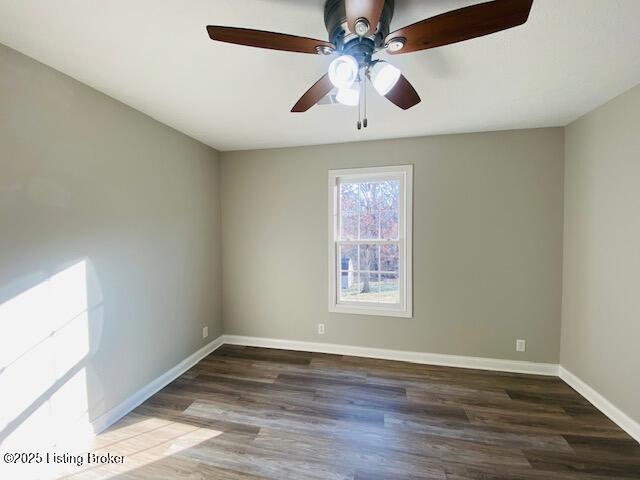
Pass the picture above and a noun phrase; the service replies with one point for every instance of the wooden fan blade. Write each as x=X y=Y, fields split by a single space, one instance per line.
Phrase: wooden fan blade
x=314 y=94
x=271 y=40
x=369 y=9
x=403 y=94
x=462 y=24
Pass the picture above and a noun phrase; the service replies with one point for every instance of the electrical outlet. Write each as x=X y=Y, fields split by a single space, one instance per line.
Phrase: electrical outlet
x=205 y=332
x=521 y=345
x=321 y=328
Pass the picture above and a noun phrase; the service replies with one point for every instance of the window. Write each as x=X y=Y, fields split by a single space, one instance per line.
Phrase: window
x=370 y=240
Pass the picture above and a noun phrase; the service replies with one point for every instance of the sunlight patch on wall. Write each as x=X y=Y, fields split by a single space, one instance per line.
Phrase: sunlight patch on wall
x=44 y=345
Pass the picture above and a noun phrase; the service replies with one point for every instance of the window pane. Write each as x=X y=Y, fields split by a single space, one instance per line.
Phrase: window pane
x=369 y=225
x=389 y=288
x=349 y=227
x=389 y=258
x=348 y=257
x=369 y=259
x=369 y=207
x=350 y=286
x=369 y=196
x=389 y=224
x=349 y=197
x=370 y=287
x=390 y=195
x=360 y=287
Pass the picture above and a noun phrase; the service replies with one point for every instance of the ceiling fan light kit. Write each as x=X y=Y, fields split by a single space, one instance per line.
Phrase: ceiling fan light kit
x=359 y=29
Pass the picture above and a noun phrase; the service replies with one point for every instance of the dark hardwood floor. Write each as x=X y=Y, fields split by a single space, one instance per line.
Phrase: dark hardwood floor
x=253 y=413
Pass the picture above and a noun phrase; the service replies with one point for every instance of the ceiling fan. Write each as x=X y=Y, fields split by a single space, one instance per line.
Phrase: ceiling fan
x=359 y=29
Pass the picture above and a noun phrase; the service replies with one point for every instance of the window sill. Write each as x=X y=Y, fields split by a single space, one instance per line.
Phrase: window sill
x=368 y=310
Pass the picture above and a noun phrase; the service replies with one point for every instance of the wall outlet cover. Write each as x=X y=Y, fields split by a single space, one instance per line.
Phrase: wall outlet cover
x=321 y=328
x=521 y=345
x=205 y=332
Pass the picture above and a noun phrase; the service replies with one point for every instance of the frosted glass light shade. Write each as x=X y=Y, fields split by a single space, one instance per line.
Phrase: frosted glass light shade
x=343 y=71
x=348 y=96
x=384 y=76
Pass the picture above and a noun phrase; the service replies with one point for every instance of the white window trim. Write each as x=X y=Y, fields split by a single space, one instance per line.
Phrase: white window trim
x=405 y=241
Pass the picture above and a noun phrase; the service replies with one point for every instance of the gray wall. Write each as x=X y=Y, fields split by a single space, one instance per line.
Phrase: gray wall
x=88 y=184
x=487 y=244
x=601 y=301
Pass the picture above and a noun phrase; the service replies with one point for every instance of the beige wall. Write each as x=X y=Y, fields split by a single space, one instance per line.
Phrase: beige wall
x=113 y=219
x=487 y=244
x=601 y=294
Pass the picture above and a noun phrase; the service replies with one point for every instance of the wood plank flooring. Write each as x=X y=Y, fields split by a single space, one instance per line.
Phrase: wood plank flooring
x=254 y=413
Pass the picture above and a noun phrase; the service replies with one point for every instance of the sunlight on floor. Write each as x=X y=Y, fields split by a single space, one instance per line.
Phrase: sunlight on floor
x=143 y=441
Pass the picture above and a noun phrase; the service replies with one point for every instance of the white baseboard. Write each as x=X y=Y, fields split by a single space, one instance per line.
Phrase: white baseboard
x=479 y=363
x=112 y=416
x=616 y=415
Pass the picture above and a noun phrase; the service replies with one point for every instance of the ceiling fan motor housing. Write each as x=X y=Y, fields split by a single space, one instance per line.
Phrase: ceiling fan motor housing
x=350 y=43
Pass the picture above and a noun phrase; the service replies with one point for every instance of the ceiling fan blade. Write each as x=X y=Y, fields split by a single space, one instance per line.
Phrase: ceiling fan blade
x=462 y=24
x=271 y=40
x=403 y=94
x=369 y=9
x=314 y=94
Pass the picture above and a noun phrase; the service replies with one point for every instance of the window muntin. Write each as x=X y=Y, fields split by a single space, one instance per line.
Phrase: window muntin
x=369 y=240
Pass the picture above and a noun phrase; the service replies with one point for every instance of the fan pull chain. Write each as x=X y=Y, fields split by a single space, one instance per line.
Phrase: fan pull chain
x=364 y=90
x=359 y=124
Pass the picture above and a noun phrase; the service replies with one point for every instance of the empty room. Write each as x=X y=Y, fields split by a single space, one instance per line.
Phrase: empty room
x=320 y=239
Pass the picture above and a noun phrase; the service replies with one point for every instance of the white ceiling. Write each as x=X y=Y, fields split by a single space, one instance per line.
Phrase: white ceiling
x=571 y=56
